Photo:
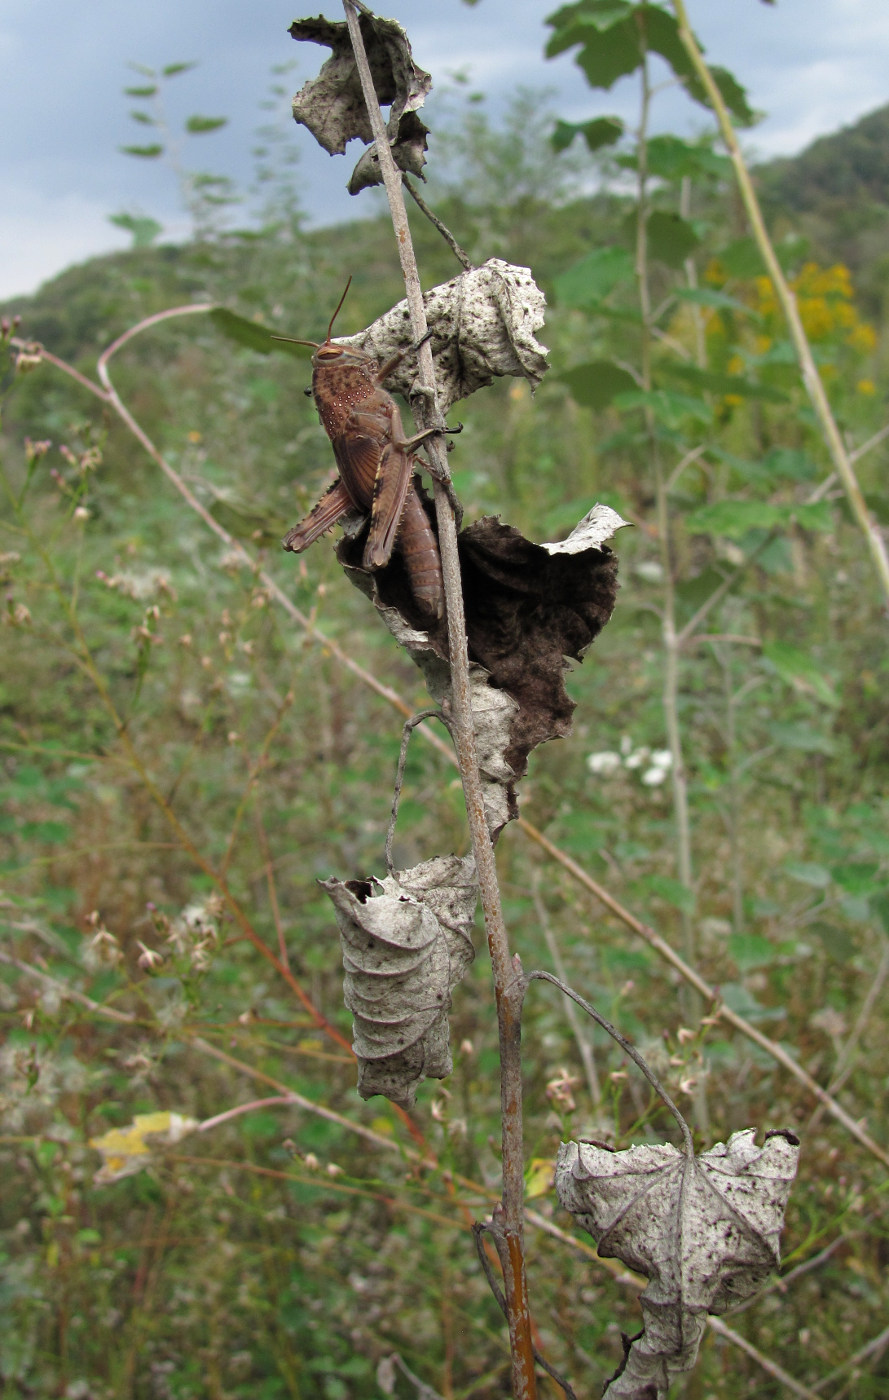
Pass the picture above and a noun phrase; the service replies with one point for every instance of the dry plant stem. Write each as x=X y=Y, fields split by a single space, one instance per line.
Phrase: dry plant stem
x=627 y=1048
x=408 y=729
x=582 y=1041
x=459 y=253
x=873 y=1349
x=508 y=983
x=672 y=642
x=777 y=1372
x=811 y=378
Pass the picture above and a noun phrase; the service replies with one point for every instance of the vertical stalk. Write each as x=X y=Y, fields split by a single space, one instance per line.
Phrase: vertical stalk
x=841 y=459
x=669 y=632
x=508 y=1225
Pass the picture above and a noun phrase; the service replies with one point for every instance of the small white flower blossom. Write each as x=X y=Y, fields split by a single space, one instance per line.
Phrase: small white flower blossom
x=653 y=777
x=603 y=762
x=637 y=758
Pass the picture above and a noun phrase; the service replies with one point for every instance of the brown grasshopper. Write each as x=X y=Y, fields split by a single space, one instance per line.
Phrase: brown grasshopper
x=376 y=463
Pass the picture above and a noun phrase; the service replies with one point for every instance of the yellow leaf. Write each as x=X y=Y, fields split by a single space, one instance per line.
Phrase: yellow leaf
x=539 y=1177
x=126 y=1151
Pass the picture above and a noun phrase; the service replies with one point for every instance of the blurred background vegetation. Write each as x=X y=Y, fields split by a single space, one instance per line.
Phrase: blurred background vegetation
x=182 y=760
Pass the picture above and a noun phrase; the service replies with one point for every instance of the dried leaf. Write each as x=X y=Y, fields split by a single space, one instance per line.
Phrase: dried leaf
x=406 y=942
x=128 y=1150
x=408 y=152
x=332 y=105
x=528 y=608
x=483 y=326
x=704 y=1231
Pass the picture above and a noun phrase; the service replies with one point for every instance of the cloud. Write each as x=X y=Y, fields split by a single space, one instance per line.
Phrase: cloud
x=41 y=233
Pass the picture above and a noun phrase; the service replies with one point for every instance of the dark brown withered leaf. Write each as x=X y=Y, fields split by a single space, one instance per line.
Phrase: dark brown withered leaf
x=530 y=609
x=406 y=942
x=703 y=1230
x=332 y=105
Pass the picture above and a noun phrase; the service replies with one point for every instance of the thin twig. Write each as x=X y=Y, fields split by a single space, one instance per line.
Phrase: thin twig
x=408 y=729
x=582 y=1041
x=772 y=1367
x=508 y=985
x=461 y=256
x=873 y=1348
x=627 y=1048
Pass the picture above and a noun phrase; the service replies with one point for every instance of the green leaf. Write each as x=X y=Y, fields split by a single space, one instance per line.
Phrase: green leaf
x=673 y=892
x=591 y=279
x=790 y=462
x=596 y=384
x=733 y=519
x=255 y=336
x=143 y=229
x=669 y=408
x=733 y=95
x=751 y=950
x=671 y=239
x=803 y=737
x=817 y=517
x=601 y=131
x=173 y=69
x=799 y=669
x=197 y=125
x=857 y=877
x=144 y=152
x=144 y=118
x=710 y=381
x=671 y=158
x=720 y=301
x=808 y=873
x=741 y=258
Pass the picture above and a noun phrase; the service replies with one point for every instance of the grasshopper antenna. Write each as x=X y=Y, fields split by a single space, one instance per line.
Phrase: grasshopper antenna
x=314 y=343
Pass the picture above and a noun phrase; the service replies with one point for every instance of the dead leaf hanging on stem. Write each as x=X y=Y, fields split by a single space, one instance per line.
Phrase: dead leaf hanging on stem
x=528 y=608
x=703 y=1230
x=332 y=105
x=406 y=942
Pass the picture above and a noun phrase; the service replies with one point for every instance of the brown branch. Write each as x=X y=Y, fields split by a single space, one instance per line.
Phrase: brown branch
x=508 y=985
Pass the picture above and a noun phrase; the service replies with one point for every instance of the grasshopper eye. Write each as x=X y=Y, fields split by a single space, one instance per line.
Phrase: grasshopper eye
x=329 y=352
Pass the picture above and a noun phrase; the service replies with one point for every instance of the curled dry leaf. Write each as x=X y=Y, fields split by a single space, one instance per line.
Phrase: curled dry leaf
x=528 y=608
x=483 y=325
x=406 y=942
x=703 y=1230
x=332 y=105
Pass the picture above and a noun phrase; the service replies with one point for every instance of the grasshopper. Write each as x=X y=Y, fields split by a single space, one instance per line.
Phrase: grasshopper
x=376 y=463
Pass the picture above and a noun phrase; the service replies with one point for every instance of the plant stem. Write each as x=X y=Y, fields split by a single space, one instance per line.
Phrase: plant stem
x=811 y=379
x=508 y=981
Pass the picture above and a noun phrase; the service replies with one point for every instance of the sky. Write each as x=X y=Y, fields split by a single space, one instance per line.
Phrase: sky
x=811 y=66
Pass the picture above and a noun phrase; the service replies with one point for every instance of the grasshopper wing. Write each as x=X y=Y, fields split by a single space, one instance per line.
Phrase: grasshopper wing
x=334 y=504
x=392 y=484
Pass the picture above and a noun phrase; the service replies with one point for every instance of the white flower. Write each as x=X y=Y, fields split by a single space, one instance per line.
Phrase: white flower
x=652 y=777
x=636 y=759
x=603 y=762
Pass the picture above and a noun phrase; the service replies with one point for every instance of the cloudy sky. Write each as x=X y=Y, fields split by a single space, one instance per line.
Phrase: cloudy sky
x=810 y=65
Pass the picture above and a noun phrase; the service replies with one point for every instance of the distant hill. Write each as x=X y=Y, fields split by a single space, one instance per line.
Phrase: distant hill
x=851 y=166
x=836 y=193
